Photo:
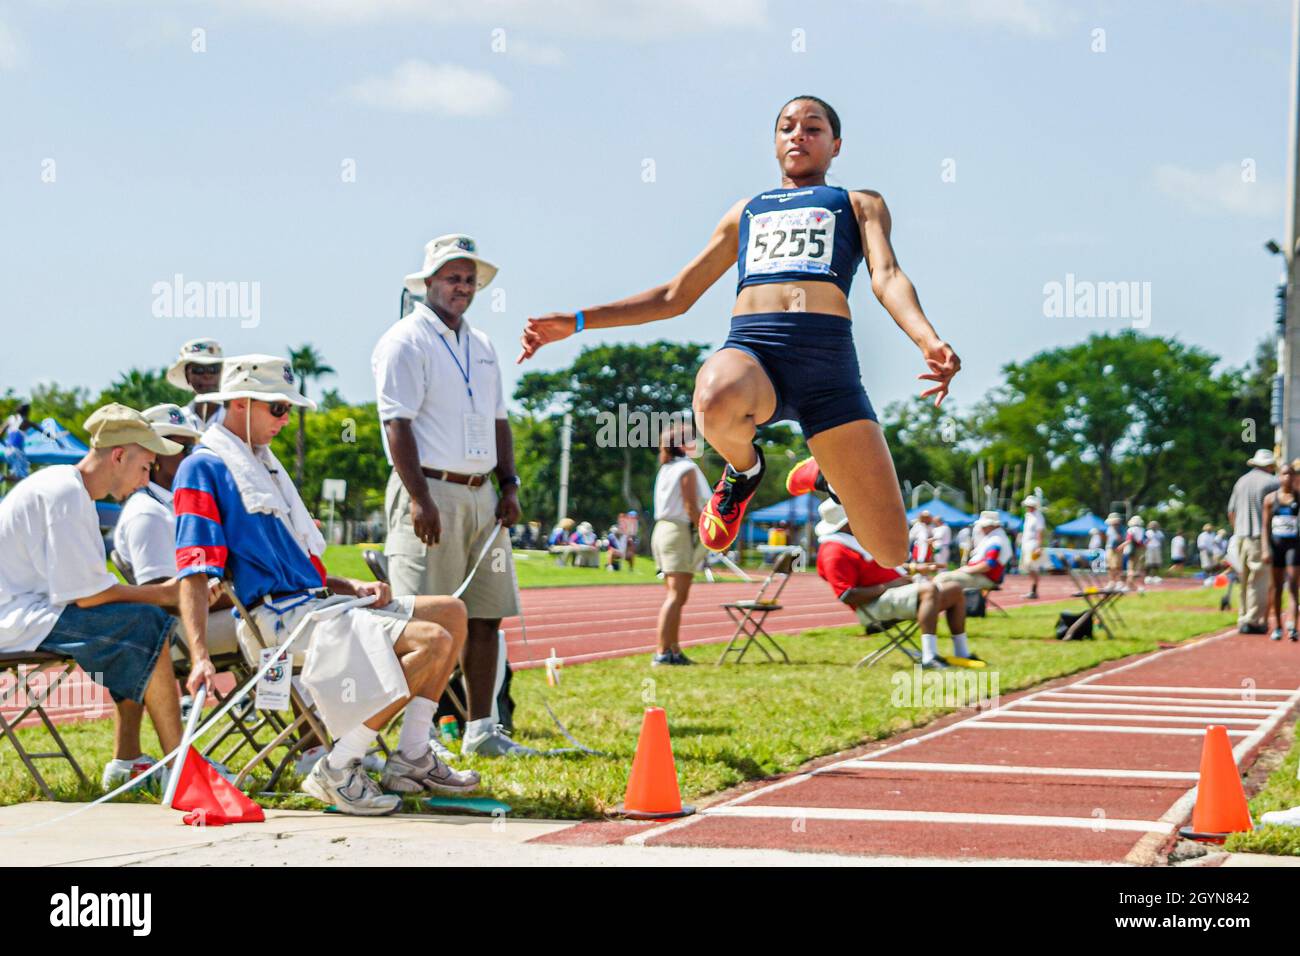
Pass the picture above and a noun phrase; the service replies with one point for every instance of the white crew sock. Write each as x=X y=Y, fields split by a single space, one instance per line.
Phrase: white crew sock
x=351 y=746
x=929 y=647
x=416 y=723
x=960 y=647
x=751 y=472
x=480 y=727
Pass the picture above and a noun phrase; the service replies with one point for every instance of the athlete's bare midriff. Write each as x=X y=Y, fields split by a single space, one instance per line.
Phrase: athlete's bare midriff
x=823 y=297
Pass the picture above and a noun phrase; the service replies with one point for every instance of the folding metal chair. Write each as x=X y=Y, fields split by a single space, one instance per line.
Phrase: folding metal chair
x=23 y=665
x=1101 y=600
x=750 y=615
x=988 y=599
x=899 y=636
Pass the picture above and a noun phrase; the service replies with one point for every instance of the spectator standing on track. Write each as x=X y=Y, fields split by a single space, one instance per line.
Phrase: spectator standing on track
x=1114 y=552
x=1135 y=556
x=1155 y=545
x=1031 y=544
x=680 y=493
x=920 y=538
x=963 y=544
x=1178 y=552
x=446 y=433
x=1246 y=513
x=1096 y=540
x=941 y=537
x=1205 y=548
x=198 y=369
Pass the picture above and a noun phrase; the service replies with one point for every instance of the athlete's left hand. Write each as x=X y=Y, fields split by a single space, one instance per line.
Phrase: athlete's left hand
x=944 y=364
x=545 y=329
x=508 y=508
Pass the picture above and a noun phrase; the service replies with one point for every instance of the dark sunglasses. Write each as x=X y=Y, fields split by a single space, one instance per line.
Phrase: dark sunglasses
x=279 y=409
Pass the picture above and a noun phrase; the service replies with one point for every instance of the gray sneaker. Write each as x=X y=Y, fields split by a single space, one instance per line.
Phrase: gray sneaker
x=496 y=743
x=350 y=790
x=428 y=774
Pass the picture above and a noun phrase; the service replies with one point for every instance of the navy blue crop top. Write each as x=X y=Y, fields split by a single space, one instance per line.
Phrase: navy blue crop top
x=799 y=234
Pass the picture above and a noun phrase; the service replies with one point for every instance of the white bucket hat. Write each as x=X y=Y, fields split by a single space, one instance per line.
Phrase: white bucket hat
x=438 y=252
x=989 y=519
x=265 y=378
x=168 y=420
x=1262 y=458
x=1135 y=522
x=1031 y=501
x=833 y=518
x=196 y=352
x=1114 y=518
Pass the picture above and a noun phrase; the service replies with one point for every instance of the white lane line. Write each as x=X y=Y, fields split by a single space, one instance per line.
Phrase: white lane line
x=1091 y=729
x=1154 y=718
x=1100 y=824
x=1203 y=704
x=1234 y=691
x=997 y=768
x=1260 y=713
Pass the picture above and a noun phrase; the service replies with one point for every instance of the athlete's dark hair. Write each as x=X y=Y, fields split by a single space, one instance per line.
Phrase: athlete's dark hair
x=831 y=115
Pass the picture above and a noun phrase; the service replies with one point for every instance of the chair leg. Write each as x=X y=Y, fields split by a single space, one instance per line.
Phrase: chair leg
x=36 y=705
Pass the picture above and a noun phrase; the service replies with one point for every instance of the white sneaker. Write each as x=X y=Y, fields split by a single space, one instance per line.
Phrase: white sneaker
x=439 y=748
x=426 y=775
x=494 y=743
x=118 y=772
x=1282 y=817
x=349 y=790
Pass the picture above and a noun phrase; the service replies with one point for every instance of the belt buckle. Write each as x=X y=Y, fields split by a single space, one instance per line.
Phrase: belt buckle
x=475 y=481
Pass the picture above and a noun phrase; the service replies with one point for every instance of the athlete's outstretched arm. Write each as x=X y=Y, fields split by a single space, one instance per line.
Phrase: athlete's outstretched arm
x=897 y=294
x=662 y=302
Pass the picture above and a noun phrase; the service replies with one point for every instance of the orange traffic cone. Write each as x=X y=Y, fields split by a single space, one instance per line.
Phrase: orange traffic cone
x=213 y=799
x=652 y=792
x=1220 y=800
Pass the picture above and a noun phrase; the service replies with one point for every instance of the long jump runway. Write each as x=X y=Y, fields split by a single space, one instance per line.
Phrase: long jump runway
x=1094 y=768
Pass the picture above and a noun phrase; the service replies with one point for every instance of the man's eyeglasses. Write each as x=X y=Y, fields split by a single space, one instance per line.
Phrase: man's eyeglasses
x=279 y=409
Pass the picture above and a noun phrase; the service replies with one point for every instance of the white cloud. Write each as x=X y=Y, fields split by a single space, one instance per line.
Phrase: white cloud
x=631 y=19
x=1219 y=190
x=1020 y=16
x=419 y=87
x=11 y=49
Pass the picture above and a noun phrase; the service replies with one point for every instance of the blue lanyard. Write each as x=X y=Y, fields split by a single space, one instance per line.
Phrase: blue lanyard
x=463 y=369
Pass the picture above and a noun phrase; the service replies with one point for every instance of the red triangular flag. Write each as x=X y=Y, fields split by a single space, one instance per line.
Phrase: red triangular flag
x=215 y=801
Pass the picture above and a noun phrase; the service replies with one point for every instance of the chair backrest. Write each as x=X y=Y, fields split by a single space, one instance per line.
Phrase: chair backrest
x=123 y=568
x=245 y=618
x=782 y=568
x=377 y=562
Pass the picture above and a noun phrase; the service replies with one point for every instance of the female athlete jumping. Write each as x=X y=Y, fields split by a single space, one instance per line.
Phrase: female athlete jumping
x=790 y=353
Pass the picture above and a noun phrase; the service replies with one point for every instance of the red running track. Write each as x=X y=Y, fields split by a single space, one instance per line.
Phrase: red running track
x=602 y=621
x=1094 y=768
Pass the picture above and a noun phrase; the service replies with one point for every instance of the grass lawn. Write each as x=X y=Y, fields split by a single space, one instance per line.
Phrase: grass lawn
x=733 y=723
x=1281 y=792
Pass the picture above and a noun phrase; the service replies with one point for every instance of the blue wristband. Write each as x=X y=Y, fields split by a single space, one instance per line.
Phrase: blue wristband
x=581 y=320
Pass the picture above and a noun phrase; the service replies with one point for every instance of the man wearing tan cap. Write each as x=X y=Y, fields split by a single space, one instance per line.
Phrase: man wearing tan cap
x=198 y=369
x=446 y=433
x=56 y=594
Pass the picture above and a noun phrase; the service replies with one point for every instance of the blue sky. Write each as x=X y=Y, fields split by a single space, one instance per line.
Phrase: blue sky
x=227 y=165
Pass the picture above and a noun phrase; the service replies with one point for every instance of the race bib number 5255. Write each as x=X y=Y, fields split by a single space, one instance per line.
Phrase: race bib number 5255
x=791 y=240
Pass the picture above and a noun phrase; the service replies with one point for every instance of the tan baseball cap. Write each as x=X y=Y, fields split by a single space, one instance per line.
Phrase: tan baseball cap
x=113 y=425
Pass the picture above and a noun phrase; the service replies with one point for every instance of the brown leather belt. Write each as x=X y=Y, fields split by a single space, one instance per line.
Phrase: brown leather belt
x=455 y=477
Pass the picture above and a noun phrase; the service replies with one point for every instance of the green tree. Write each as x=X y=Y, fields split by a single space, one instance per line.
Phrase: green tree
x=71 y=406
x=307 y=365
x=143 y=388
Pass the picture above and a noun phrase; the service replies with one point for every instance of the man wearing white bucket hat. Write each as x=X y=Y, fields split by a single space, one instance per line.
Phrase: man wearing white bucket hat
x=885 y=594
x=446 y=432
x=1246 y=514
x=198 y=369
x=1031 y=544
x=239 y=515
x=987 y=563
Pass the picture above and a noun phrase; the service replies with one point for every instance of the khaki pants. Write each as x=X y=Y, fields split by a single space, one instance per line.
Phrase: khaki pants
x=1254 y=583
x=466 y=515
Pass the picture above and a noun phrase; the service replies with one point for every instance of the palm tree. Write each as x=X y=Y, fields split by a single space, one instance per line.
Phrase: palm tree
x=307 y=365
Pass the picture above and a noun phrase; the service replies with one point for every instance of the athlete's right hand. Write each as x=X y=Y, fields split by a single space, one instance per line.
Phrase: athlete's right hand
x=427 y=521
x=547 y=328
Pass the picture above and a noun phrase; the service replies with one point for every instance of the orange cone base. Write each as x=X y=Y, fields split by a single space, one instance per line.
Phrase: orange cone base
x=685 y=811
x=1187 y=833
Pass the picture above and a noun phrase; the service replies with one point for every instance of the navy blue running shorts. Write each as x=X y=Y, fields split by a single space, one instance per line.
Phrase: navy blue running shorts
x=812 y=364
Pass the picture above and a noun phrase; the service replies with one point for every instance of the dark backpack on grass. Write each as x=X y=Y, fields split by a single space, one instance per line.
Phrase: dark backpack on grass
x=1066 y=621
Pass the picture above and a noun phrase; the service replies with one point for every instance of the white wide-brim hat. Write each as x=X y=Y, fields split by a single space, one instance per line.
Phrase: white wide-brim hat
x=833 y=518
x=989 y=519
x=194 y=352
x=1262 y=458
x=1136 y=522
x=1031 y=501
x=264 y=378
x=438 y=252
x=168 y=420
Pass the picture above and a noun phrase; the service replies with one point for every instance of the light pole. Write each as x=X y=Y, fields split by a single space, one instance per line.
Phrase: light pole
x=1290 y=364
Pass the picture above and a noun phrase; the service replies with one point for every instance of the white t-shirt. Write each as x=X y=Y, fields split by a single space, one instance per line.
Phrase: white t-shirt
x=942 y=537
x=1178 y=548
x=52 y=554
x=146 y=534
x=920 y=533
x=669 y=505
x=1096 y=539
x=1155 y=541
x=1205 y=542
x=417 y=366
x=1031 y=535
x=196 y=421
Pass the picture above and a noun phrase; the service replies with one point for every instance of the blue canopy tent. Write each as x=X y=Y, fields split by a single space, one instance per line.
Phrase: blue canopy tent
x=952 y=516
x=52 y=444
x=1010 y=521
x=795 y=511
x=1081 y=527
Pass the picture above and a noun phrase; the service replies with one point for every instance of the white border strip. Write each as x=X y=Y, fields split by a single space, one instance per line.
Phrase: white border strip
x=997 y=768
x=1103 y=705
x=1101 y=700
x=1154 y=718
x=1100 y=824
x=1234 y=691
x=1094 y=729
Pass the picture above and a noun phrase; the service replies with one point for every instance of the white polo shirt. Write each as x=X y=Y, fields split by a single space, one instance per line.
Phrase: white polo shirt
x=52 y=554
x=194 y=420
x=420 y=369
x=146 y=534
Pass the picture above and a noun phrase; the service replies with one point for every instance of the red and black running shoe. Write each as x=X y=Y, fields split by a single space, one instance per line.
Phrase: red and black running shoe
x=807 y=476
x=721 y=517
